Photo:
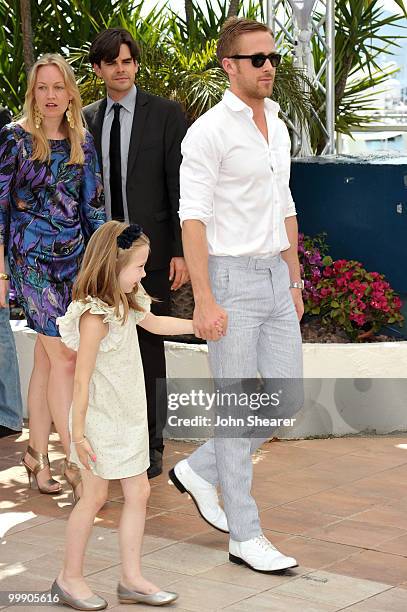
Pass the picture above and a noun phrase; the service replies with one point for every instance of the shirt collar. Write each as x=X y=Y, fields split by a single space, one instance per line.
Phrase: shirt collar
x=128 y=102
x=233 y=102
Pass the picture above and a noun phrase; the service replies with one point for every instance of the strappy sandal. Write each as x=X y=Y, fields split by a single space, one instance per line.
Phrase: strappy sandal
x=75 y=480
x=42 y=463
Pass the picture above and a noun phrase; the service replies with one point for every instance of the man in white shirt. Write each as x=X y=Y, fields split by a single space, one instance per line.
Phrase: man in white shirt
x=240 y=243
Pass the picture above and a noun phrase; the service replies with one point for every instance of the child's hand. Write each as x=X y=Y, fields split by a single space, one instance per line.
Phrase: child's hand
x=219 y=327
x=84 y=452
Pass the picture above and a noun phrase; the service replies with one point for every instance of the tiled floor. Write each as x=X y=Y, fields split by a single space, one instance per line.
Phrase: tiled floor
x=339 y=506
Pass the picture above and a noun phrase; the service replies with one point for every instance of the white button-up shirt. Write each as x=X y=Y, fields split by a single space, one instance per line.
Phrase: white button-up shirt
x=235 y=182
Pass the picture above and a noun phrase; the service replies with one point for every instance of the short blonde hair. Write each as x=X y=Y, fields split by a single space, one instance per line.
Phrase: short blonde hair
x=76 y=135
x=102 y=263
x=232 y=29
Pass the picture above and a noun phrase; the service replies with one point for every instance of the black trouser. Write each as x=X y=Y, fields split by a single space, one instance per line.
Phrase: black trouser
x=157 y=285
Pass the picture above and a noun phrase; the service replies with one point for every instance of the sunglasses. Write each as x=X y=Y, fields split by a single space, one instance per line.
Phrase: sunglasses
x=259 y=59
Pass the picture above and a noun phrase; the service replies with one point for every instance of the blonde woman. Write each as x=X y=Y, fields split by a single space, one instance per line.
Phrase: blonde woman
x=50 y=203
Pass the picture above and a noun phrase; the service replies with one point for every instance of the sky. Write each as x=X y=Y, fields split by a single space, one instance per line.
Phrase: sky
x=400 y=54
x=389 y=5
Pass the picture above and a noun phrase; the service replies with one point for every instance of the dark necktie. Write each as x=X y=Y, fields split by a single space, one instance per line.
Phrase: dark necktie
x=116 y=194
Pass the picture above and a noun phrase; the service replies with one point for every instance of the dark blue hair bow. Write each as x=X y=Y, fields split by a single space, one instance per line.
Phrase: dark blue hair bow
x=129 y=235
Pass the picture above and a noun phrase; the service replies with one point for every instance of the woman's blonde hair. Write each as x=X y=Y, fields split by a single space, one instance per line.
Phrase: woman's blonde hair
x=76 y=135
x=102 y=263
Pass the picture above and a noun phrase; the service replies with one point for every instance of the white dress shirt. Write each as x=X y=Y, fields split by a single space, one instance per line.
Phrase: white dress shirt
x=235 y=182
x=126 y=121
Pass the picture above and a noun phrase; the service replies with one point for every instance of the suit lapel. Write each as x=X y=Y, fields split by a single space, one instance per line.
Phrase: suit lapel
x=98 y=125
x=139 y=122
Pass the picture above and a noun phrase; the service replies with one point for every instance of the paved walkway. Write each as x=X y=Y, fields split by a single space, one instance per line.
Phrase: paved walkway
x=339 y=506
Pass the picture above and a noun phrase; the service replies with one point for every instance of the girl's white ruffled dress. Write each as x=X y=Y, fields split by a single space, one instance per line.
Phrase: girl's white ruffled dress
x=116 y=419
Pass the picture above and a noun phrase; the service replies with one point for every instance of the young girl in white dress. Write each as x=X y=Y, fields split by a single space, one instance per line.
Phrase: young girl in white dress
x=109 y=415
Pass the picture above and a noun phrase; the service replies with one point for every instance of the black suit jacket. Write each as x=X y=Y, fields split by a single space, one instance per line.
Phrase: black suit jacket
x=5 y=116
x=154 y=160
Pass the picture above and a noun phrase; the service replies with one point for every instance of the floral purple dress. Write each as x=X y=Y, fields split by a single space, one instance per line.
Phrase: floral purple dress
x=47 y=213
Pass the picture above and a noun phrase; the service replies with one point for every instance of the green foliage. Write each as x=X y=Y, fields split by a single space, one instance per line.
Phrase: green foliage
x=178 y=59
x=181 y=64
x=206 y=21
x=12 y=76
x=58 y=26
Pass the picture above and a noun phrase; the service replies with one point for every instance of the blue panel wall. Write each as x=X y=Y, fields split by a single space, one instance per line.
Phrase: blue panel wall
x=362 y=205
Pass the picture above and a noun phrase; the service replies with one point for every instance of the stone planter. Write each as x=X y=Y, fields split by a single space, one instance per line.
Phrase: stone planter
x=349 y=388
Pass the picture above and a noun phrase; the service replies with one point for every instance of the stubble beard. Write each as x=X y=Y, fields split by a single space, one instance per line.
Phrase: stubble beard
x=260 y=91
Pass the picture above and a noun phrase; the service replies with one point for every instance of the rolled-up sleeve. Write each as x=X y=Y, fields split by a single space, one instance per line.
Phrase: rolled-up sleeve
x=290 y=204
x=201 y=158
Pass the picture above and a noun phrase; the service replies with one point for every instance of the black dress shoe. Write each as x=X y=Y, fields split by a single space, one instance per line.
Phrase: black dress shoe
x=6 y=431
x=156 y=463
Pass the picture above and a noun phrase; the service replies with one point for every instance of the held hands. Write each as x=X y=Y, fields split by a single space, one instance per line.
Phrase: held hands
x=84 y=452
x=3 y=293
x=210 y=321
x=178 y=273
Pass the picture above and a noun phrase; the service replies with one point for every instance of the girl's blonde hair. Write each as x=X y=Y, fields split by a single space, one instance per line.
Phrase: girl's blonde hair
x=102 y=263
x=76 y=135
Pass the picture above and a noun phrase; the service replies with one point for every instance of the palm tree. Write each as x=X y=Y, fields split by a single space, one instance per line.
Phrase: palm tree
x=181 y=64
x=26 y=28
x=58 y=26
x=189 y=13
x=179 y=58
x=233 y=8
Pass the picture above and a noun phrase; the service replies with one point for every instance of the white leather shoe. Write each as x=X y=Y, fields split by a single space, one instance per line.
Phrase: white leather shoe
x=260 y=555
x=202 y=492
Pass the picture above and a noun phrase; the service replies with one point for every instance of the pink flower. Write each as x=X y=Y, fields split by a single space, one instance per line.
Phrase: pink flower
x=339 y=264
x=315 y=258
x=358 y=288
x=380 y=286
x=341 y=282
x=379 y=304
x=316 y=275
x=359 y=319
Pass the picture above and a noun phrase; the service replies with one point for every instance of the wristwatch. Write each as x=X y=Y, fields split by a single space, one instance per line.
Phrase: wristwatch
x=4 y=276
x=297 y=285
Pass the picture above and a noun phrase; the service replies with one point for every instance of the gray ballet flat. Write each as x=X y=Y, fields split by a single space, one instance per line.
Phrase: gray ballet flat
x=161 y=598
x=92 y=603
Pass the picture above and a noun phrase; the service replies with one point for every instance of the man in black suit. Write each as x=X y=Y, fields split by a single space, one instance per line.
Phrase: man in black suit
x=138 y=139
x=5 y=116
